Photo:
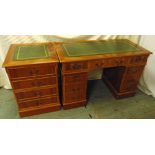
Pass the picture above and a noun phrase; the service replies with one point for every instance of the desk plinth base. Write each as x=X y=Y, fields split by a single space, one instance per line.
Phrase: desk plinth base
x=74 y=105
x=116 y=94
x=39 y=110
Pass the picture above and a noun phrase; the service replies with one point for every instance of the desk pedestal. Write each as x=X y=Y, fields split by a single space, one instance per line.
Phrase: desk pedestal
x=74 y=90
x=122 y=81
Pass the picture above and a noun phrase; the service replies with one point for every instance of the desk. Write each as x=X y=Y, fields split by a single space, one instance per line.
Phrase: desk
x=122 y=62
x=33 y=73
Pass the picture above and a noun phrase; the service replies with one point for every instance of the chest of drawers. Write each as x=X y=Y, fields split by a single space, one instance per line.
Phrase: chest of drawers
x=34 y=81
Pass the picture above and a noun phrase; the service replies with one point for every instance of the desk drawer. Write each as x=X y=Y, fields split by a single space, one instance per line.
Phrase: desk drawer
x=38 y=102
x=98 y=64
x=74 y=66
x=74 y=78
x=36 y=93
x=110 y=62
x=135 y=70
x=36 y=82
x=31 y=71
x=74 y=97
x=75 y=88
x=122 y=61
x=138 y=60
x=131 y=78
x=129 y=84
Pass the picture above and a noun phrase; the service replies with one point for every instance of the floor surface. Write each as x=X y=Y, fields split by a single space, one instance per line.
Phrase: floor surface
x=101 y=104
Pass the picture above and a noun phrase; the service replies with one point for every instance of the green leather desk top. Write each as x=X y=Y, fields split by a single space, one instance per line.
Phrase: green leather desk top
x=97 y=48
x=31 y=52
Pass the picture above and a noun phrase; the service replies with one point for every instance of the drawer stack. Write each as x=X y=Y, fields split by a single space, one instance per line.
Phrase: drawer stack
x=35 y=88
x=32 y=69
x=74 y=83
x=131 y=78
x=74 y=90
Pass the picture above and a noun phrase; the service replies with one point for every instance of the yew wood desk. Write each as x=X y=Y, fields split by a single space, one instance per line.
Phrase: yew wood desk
x=122 y=62
x=33 y=73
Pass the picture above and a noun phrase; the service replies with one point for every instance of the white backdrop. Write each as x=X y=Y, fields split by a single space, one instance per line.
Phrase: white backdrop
x=147 y=81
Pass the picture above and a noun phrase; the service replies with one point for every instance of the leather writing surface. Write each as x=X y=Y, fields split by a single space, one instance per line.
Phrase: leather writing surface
x=31 y=52
x=95 y=48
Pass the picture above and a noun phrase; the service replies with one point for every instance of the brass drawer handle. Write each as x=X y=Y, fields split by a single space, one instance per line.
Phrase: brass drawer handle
x=31 y=72
x=100 y=64
x=76 y=77
x=76 y=66
x=36 y=71
x=33 y=83
x=119 y=62
x=75 y=89
x=37 y=93
x=133 y=70
x=97 y=65
x=39 y=83
x=37 y=103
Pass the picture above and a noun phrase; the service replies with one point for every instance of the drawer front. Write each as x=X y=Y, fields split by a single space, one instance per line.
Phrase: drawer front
x=76 y=66
x=75 y=88
x=103 y=63
x=131 y=78
x=74 y=78
x=37 y=82
x=31 y=71
x=135 y=70
x=74 y=92
x=138 y=60
x=118 y=61
x=97 y=64
x=129 y=84
x=74 y=97
x=36 y=93
x=38 y=102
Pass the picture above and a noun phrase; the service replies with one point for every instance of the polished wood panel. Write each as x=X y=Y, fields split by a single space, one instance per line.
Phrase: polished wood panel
x=31 y=71
x=38 y=102
x=74 y=78
x=35 y=93
x=34 y=82
x=39 y=110
x=74 y=104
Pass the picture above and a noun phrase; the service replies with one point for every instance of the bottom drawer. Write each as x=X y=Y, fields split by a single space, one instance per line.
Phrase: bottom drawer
x=130 y=84
x=38 y=102
x=39 y=110
x=74 y=97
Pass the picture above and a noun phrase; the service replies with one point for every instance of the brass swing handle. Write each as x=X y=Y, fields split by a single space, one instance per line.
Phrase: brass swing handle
x=76 y=66
x=37 y=93
x=33 y=72
x=36 y=83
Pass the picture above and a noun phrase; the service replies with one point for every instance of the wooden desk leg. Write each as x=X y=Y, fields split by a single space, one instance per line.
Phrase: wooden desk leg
x=126 y=80
x=74 y=90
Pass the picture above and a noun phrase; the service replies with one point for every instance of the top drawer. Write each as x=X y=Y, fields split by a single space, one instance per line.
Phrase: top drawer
x=74 y=66
x=32 y=71
x=107 y=62
x=136 y=60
